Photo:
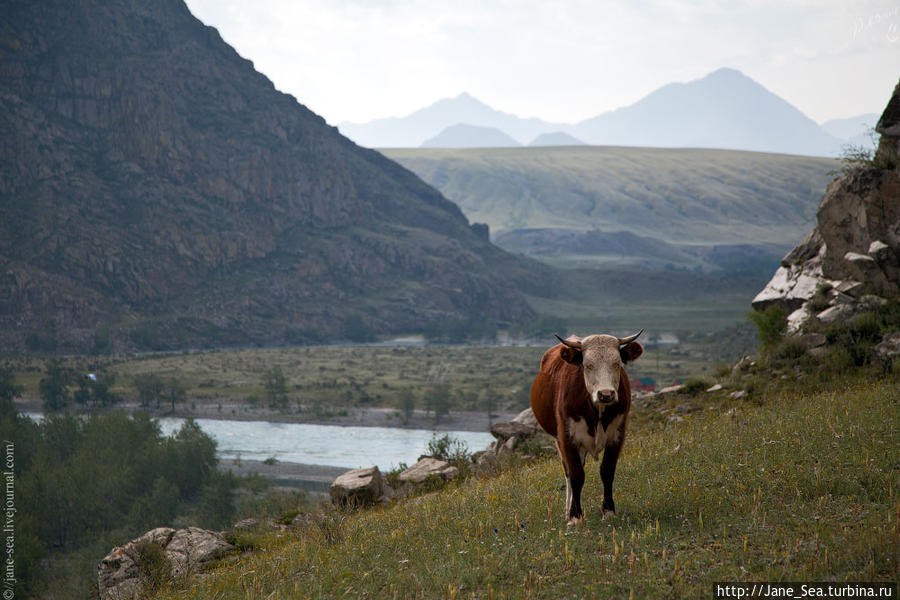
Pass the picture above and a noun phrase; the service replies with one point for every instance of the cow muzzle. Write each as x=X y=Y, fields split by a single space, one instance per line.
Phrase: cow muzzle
x=605 y=396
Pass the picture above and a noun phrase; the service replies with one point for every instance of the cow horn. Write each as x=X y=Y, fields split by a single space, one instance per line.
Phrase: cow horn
x=630 y=338
x=569 y=343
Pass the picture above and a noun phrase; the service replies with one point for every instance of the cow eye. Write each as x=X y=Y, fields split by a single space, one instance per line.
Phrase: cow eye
x=588 y=367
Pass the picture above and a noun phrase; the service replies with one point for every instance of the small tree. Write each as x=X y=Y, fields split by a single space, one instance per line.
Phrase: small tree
x=490 y=400
x=174 y=391
x=440 y=400
x=150 y=388
x=771 y=324
x=276 y=387
x=407 y=403
x=54 y=387
x=9 y=390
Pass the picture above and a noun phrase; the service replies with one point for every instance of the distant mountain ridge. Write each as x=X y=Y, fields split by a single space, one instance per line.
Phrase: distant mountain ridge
x=411 y=131
x=157 y=192
x=462 y=135
x=725 y=109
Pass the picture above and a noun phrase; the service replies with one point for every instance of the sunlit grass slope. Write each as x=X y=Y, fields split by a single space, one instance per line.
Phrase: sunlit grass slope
x=804 y=487
x=696 y=196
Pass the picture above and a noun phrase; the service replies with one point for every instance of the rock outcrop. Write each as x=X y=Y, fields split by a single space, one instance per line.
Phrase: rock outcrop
x=852 y=257
x=121 y=573
x=357 y=487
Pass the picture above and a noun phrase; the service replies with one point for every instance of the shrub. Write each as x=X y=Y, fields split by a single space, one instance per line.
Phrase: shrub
x=790 y=349
x=770 y=323
x=695 y=386
x=154 y=567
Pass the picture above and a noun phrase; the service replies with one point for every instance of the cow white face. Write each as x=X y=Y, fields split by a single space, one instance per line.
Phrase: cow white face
x=601 y=358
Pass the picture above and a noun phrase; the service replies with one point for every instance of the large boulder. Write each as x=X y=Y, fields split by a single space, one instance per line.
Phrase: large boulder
x=185 y=552
x=426 y=467
x=357 y=487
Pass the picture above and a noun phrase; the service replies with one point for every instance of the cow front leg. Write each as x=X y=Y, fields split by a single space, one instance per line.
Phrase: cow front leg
x=607 y=474
x=574 y=468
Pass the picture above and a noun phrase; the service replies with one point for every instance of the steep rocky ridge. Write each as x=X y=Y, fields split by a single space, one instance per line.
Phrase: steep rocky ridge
x=853 y=254
x=154 y=185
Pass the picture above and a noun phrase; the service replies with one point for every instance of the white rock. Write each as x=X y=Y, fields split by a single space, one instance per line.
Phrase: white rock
x=836 y=313
x=879 y=250
x=670 y=389
x=738 y=394
x=796 y=319
x=715 y=388
x=428 y=466
x=358 y=486
x=857 y=258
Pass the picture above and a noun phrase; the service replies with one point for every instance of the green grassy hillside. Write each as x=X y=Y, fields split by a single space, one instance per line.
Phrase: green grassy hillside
x=675 y=195
x=792 y=486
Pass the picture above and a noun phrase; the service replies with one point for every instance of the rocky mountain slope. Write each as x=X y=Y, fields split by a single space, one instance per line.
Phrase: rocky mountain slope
x=851 y=260
x=156 y=191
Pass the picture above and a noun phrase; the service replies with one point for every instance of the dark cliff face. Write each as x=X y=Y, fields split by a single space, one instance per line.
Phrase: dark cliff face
x=154 y=184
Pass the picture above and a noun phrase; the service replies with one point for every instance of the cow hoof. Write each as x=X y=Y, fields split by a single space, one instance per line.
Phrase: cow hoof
x=575 y=521
x=607 y=513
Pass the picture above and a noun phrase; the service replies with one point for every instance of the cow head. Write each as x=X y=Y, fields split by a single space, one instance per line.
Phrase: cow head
x=601 y=358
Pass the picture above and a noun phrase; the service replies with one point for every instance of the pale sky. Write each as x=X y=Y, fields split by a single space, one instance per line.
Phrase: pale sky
x=564 y=61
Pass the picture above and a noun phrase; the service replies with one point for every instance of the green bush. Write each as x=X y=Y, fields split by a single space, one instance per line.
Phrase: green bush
x=695 y=386
x=770 y=324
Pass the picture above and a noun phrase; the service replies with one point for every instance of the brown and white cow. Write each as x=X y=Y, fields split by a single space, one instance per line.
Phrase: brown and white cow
x=582 y=396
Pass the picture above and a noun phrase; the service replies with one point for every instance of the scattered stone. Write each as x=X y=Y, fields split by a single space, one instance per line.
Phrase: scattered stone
x=737 y=395
x=889 y=346
x=796 y=319
x=743 y=364
x=849 y=287
x=858 y=258
x=870 y=302
x=880 y=251
x=505 y=431
x=188 y=551
x=838 y=312
x=427 y=466
x=670 y=389
x=813 y=340
x=510 y=445
x=818 y=352
x=715 y=388
x=526 y=417
x=357 y=487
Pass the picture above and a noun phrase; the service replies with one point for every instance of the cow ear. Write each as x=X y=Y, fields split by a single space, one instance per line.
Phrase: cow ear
x=570 y=355
x=631 y=351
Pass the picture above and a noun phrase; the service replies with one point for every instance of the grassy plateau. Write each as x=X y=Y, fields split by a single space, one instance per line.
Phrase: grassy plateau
x=672 y=194
x=797 y=485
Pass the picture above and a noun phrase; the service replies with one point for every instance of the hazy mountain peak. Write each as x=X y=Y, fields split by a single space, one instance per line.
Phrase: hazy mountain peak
x=463 y=135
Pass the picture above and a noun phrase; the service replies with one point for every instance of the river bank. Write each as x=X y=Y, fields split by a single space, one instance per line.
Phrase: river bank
x=349 y=417
x=314 y=479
